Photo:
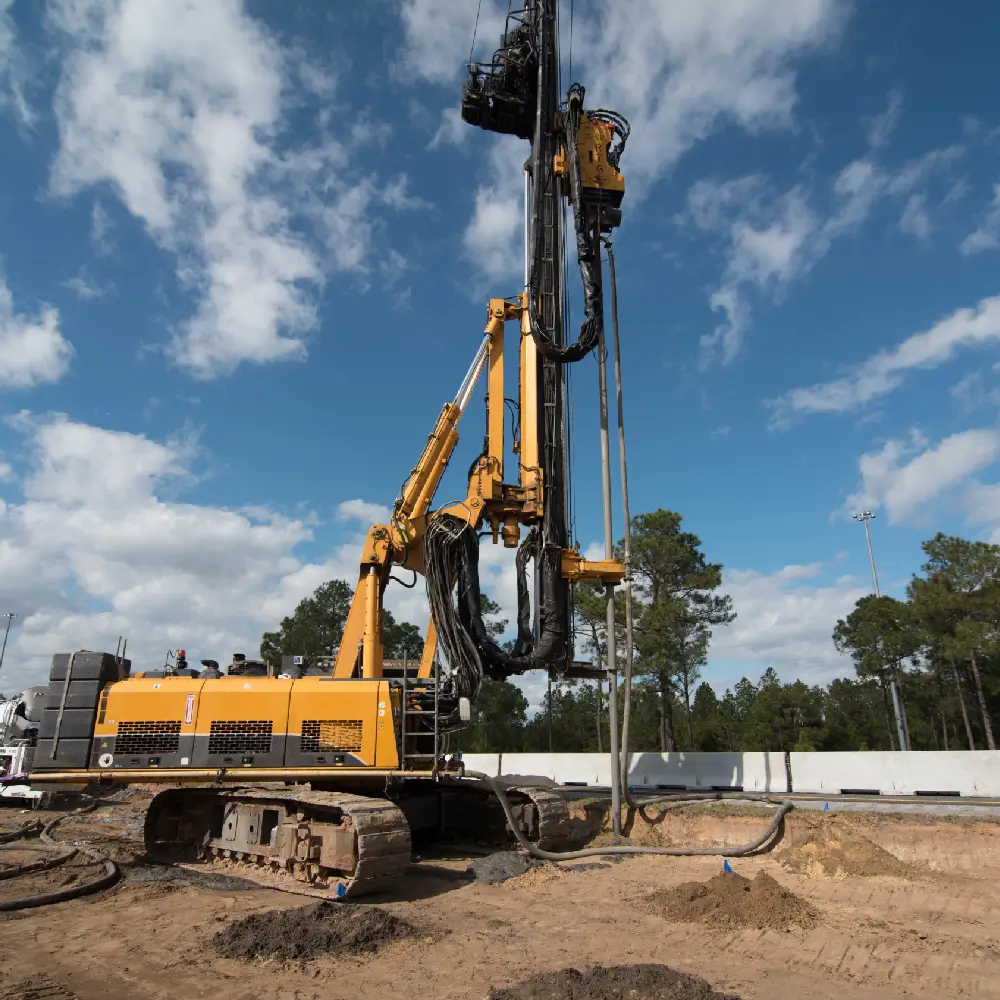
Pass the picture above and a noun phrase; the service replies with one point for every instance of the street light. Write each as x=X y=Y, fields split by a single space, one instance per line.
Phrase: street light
x=10 y=616
x=864 y=517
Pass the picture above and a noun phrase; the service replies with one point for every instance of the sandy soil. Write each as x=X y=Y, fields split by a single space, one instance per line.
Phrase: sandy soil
x=906 y=906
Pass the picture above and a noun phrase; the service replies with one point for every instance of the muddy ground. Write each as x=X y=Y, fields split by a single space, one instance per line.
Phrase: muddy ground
x=852 y=907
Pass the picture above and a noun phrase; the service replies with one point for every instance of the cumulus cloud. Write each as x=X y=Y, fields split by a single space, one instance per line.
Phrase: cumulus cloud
x=363 y=512
x=885 y=370
x=785 y=620
x=191 y=140
x=33 y=351
x=904 y=476
x=494 y=237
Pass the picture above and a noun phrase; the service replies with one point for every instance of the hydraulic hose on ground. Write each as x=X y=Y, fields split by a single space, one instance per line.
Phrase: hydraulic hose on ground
x=784 y=809
x=110 y=876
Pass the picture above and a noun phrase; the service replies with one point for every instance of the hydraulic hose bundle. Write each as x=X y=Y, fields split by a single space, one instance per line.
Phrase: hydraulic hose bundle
x=593 y=304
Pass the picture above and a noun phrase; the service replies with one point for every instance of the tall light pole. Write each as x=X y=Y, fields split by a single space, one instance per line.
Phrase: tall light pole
x=10 y=616
x=864 y=517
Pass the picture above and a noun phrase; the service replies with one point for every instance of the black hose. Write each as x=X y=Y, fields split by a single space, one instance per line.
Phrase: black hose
x=37 y=866
x=784 y=808
x=110 y=876
x=28 y=830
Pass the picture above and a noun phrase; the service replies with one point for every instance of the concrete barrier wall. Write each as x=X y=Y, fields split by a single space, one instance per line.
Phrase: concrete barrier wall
x=757 y=772
x=968 y=773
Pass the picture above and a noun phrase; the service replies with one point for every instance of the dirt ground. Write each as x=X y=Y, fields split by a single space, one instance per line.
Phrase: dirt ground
x=852 y=907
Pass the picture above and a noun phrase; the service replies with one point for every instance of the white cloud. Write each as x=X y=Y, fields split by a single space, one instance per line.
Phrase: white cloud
x=84 y=287
x=884 y=371
x=882 y=126
x=680 y=71
x=95 y=551
x=32 y=349
x=100 y=227
x=193 y=145
x=6 y=472
x=12 y=70
x=786 y=622
x=766 y=248
x=437 y=33
x=452 y=131
x=494 y=238
x=972 y=392
x=771 y=239
x=906 y=475
x=363 y=512
x=915 y=221
x=986 y=236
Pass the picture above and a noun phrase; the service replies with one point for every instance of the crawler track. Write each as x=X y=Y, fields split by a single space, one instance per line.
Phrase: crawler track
x=316 y=843
x=551 y=829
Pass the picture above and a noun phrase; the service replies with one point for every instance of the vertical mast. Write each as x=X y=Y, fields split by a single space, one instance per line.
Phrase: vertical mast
x=553 y=606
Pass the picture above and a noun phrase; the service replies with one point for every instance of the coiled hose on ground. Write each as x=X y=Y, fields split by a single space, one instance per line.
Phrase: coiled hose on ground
x=741 y=850
x=44 y=831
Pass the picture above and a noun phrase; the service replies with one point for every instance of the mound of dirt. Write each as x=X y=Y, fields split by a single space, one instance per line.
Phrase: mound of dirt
x=310 y=932
x=616 y=982
x=836 y=853
x=730 y=900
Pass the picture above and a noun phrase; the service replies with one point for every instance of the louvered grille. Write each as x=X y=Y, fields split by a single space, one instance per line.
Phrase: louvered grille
x=331 y=735
x=104 y=706
x=148 y=737
x=247 y=736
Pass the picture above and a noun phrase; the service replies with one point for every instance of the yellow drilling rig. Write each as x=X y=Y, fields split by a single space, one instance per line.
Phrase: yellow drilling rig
x=319 y=778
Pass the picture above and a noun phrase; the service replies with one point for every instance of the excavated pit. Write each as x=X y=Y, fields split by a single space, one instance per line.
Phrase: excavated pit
x=835 y=853
x=729 y=900
x=320 y=929
x=616 y=982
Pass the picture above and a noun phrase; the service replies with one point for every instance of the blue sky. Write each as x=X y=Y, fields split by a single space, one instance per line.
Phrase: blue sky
x=245 y=251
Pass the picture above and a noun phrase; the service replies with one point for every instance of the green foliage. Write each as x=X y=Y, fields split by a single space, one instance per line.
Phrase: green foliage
x=317 y=624
x=676 y=610
x=500 y=717
x=314 y=628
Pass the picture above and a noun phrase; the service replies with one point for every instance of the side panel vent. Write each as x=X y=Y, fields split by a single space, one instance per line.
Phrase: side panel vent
x=247 y=736
x=332 y=735
x=104 y=706
x=148 y=737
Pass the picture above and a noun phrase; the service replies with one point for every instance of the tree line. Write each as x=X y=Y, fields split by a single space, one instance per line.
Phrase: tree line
x=939 y=648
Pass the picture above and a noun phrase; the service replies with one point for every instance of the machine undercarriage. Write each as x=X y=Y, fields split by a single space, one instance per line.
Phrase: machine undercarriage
x=338 y=844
